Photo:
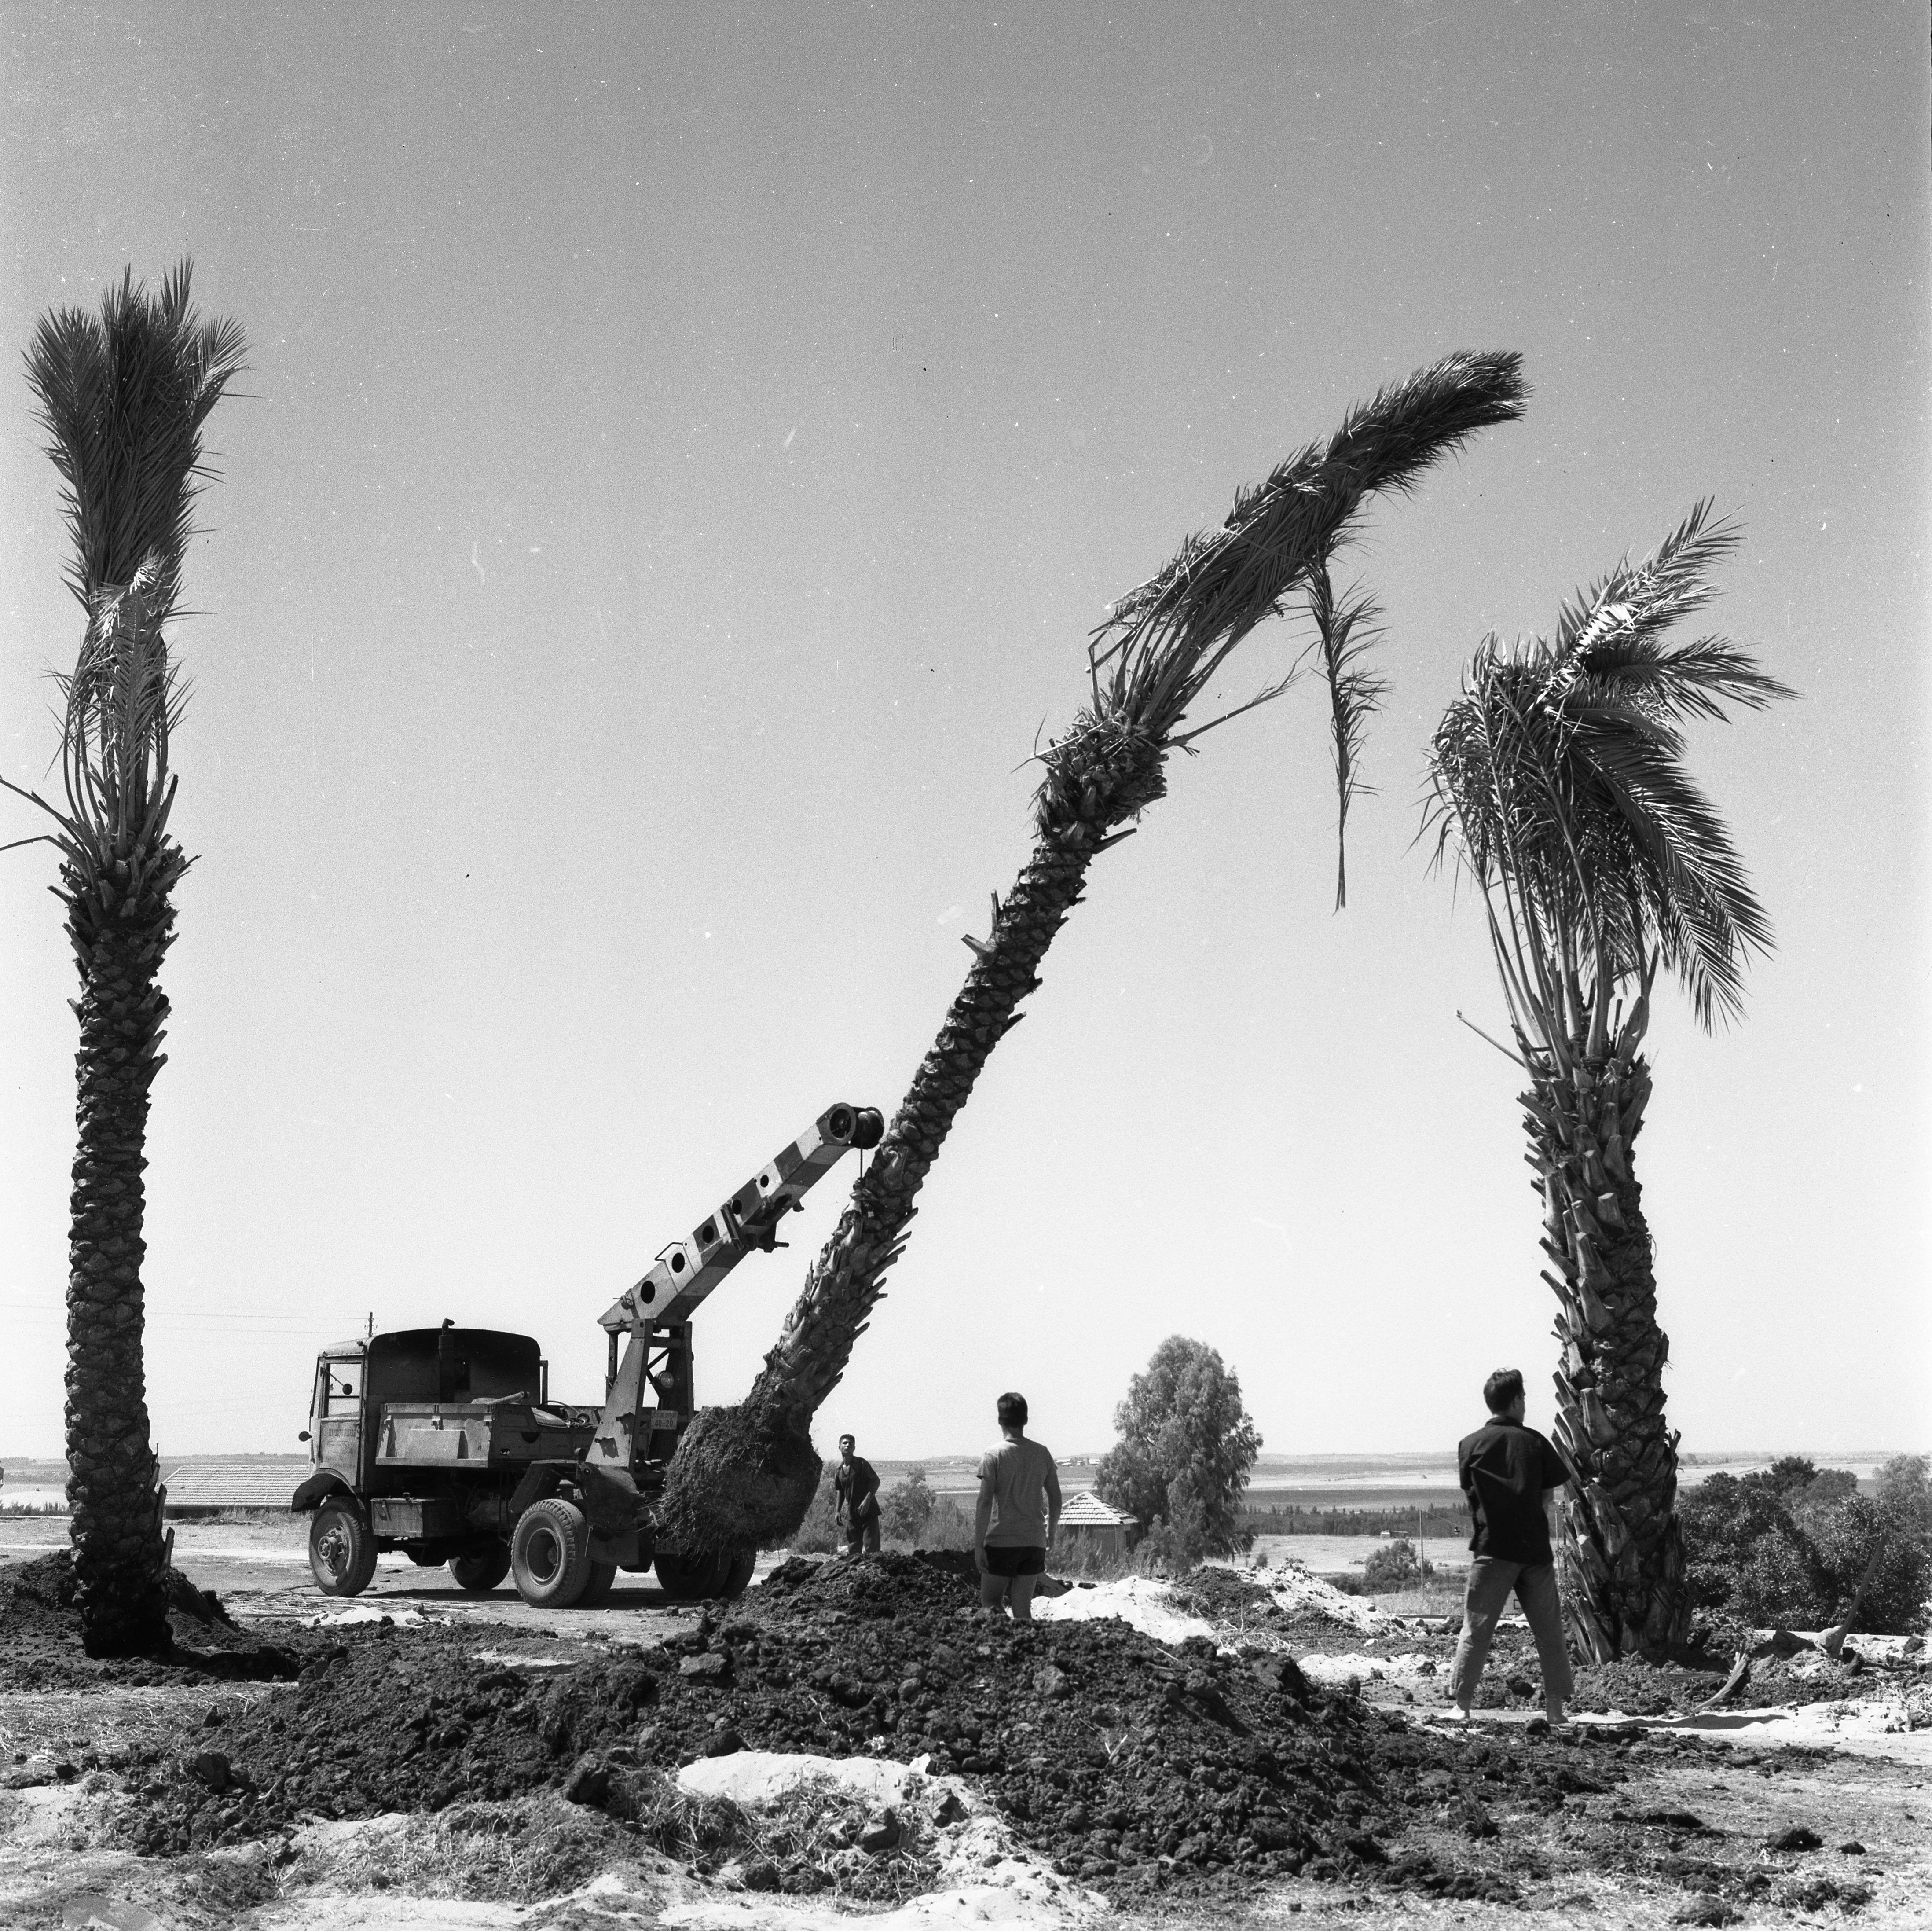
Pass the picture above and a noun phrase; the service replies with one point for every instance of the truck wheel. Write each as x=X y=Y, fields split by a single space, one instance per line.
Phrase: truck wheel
x=597 y=1590
x=550 y=1554
x=693 y=1578
x=477 y=1574
x=341 y=1552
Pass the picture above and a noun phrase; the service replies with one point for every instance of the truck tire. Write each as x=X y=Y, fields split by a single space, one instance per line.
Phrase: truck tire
x=341 y=1552
x=691 y=1578
x=550 y=1554
x=597 y=1590
x=479 y=1572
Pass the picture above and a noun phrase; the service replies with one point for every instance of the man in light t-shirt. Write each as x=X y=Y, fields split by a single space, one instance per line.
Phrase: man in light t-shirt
x=1018 y=1511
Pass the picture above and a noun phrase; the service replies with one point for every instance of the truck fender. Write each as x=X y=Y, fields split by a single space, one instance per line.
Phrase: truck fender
x=540 y=1479
x=323 y=1483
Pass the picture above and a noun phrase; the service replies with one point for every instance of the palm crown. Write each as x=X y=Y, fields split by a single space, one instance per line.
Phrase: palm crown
x=1559 y=777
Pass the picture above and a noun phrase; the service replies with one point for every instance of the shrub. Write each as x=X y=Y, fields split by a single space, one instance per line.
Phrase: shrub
x=821 y=1532
x=1796 y=1545
x=1877 y=1553
x=1396 y=1566
x=905 y=1508
x=947 y=1527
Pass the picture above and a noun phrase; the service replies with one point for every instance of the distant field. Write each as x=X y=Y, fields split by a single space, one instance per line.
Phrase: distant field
x=1342 y=1555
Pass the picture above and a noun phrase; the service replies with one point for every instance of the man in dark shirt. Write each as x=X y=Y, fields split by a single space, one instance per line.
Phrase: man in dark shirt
x=1506 y=1469
x=855 y=1486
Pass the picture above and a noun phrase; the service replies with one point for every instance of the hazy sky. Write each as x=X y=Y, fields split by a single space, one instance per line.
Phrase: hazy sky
x=685 y=450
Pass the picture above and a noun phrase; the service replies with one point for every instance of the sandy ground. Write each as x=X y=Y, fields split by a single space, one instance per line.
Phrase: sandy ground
x=260 y=1571
x=1850 y=1774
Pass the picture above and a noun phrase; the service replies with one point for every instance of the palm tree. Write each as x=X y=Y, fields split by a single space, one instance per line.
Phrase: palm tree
x=746 y=1476
x=1559 y=781
x=123 y=397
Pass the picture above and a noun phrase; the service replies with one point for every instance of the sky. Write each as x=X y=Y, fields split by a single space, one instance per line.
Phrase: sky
x=684 y=452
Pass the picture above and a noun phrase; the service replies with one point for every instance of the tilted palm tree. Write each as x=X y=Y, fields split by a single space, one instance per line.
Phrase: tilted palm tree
x=1559 y=782
x=746 y=1476
x=123 y=396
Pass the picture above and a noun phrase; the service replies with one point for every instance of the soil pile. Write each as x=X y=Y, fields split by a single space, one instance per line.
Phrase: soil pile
x=41 y=1643
x=1639 y=1688
x=1132 y=1766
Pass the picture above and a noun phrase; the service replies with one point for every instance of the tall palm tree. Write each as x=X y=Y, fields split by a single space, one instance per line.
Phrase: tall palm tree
x=1559 y=782
x=123 y=396
x=746 y=1476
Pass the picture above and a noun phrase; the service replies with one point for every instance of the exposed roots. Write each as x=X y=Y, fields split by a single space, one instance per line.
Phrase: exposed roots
x=743 y=1478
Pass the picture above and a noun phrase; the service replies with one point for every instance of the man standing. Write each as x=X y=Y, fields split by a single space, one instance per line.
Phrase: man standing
x=1506 y=1470
x=1018 y=1511
x=855 y=1487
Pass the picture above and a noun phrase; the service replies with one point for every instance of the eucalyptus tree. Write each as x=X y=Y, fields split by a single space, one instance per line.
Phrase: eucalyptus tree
x=123 y=396
x=1560 y=783
x=746 y=1475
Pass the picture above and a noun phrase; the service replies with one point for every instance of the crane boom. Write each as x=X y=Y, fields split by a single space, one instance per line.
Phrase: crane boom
x=654 y=1313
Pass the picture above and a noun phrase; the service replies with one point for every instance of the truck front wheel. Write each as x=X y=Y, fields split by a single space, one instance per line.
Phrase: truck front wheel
x=479 y=1573
x=341 y=1552
x=550 y=1554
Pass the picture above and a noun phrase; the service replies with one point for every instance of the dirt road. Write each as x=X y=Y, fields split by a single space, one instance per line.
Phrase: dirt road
x=260 y=1571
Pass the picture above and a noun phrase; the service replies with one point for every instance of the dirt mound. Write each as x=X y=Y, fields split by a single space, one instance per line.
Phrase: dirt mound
x=1134 y=1766
x=40 y=1644
x=885 y=1584
x=1641 y=1688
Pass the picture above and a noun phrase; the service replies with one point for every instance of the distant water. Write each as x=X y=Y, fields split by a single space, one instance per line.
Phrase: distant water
x=32 y=1495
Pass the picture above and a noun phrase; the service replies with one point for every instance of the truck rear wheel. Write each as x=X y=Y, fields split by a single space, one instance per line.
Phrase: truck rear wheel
x=597 y=1590
x=480 y=1572
x=692 y=1578
x=341 y=1552
x=550 y=1554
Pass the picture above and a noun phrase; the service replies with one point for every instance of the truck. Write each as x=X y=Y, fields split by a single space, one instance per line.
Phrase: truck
x=444 y=1442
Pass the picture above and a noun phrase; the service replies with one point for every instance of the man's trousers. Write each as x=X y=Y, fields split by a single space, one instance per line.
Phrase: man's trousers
x=1491 y=1579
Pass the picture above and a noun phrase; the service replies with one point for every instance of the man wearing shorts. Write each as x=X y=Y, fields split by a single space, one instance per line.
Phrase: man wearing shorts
x=1506 y=1470
x=1018 y=1511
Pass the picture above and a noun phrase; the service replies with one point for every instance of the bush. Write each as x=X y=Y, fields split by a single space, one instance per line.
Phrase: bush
x=1395 y=1567
x=821 y=1532
x=1797 y=1546
x=1172 y=1549
x=1878 y=1553
x=905 y=1508
x=947 y=1527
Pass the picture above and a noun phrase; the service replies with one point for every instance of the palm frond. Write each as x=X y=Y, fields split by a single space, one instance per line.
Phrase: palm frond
x=124 y=397
x=1164 y=640
x=1557 y=774
x=1347 y=630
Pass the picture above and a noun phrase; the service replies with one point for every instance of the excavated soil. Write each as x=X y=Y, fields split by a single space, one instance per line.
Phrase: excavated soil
x=1137 y=1768
x=40 y=1644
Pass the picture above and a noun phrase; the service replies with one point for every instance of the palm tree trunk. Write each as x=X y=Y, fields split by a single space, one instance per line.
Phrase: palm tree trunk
x=744 y=1476
x=1620 y=1554
x=119 y=936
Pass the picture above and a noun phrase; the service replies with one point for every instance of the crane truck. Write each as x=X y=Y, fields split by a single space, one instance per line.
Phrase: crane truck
x=444 y=1443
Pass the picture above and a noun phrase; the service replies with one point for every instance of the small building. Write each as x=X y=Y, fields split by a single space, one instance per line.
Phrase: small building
x=1087 y=1522
x=218 y=1484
